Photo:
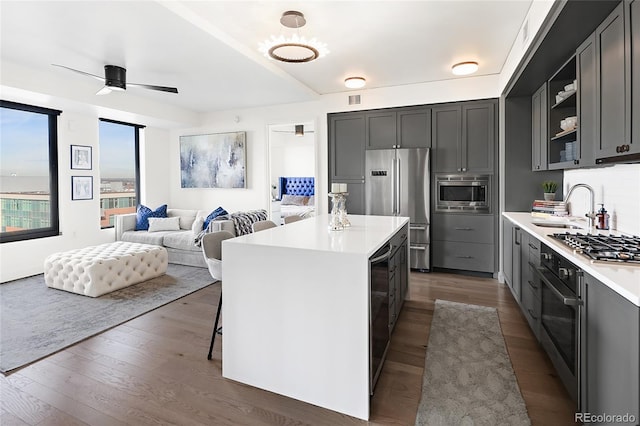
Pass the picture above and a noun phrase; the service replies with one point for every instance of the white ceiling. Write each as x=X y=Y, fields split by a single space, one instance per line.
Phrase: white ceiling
x=208 y=49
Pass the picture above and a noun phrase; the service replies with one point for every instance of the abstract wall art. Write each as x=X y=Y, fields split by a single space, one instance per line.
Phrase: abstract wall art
x=213 y=161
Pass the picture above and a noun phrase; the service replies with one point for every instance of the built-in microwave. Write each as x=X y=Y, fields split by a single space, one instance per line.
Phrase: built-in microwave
x=463 y=193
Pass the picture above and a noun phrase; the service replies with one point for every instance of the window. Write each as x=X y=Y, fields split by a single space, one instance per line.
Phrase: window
x=119 y=169
x=28 y=172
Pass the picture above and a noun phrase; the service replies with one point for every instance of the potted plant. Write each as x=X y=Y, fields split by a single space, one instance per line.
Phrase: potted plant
x=549 y=187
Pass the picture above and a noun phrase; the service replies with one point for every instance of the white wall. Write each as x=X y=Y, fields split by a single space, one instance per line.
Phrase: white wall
x=291 y=155
x=80 y=219
x=255 y=122
x=618 y=187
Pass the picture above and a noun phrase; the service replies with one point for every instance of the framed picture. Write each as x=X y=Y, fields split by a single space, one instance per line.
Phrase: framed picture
x=80 y=157
x=82 y=187
x=213 y=161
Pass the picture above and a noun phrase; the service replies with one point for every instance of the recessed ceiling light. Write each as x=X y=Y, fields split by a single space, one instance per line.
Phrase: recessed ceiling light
x=465 y=68
x=355 y=82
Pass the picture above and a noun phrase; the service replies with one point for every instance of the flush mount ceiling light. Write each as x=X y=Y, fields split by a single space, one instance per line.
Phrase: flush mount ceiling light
x=355 y=82
x=293 y=49
x=465 y=68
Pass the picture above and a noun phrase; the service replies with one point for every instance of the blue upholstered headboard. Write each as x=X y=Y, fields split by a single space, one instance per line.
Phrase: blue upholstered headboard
x=297 y=186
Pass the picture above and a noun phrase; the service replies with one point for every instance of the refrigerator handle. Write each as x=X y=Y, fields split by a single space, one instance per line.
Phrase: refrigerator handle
x=393 y=186
x=397 y=189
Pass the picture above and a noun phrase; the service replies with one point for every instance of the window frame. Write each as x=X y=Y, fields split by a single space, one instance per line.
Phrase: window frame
x=137 y=128
x=54 y=204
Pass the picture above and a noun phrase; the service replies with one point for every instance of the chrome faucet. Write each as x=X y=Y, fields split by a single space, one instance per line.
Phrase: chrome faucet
x=592 y=214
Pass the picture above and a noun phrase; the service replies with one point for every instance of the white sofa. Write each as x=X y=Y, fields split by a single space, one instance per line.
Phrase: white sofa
x=180 y=244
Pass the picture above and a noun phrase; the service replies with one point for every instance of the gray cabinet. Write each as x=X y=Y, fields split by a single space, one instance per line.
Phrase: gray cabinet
x=346 y=156
x=398 y=275
x=613 y=86
x=355 y=200
x=478 y=137
x=381 y=130
x=586 y=101
x=530 y=300
x=463 y=241
x=633 y=25
x=539 y=132
x=398 y=128
x=511 y=243
x=346 y=146
x=414 y=127
x=610 y=348
x=446 y=137
x=463 y=137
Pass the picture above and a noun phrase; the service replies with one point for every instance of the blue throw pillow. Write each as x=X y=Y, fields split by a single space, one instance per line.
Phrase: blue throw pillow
x=217 y=212
x=144 y=213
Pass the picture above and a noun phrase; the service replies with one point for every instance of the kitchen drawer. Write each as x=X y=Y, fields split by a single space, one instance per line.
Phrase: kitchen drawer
x=534 y=250
x=464 y=228
x=529 y=279
x=399 y=237
x=531 y=308
x=465 y=256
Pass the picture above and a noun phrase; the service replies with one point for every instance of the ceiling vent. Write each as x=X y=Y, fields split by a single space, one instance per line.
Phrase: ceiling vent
x=525 y=32
x=354 y=100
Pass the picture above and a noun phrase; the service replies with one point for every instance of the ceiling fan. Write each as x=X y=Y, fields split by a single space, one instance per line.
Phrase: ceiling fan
x=115 y=78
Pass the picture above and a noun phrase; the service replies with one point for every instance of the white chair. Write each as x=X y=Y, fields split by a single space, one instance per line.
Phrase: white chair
x=292 y=218
x=262 y=225
x=212 y=252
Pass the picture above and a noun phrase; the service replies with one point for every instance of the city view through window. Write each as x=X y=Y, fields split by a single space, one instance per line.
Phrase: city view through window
x=117 y=170
x=24 y=171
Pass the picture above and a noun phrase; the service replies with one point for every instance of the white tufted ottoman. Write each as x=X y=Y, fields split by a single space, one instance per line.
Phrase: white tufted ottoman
x=93 y=271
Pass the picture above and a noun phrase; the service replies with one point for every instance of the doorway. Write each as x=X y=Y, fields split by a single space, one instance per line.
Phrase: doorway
x=292 y=153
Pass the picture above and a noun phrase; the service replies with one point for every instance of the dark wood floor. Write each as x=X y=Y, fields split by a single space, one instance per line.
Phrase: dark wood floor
x=153 y=370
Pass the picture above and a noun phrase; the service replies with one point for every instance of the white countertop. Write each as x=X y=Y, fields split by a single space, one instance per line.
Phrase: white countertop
x=365 y=235
x=624 y=279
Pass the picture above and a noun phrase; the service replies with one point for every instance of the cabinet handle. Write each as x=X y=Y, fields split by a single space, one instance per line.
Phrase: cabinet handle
x=417 y=248
x=464 y=169
x=576 y=161
x=535 y=287
x=537 y=167
x=533 y=246
x=464 y=257
x=463 y=229
x=531 y=313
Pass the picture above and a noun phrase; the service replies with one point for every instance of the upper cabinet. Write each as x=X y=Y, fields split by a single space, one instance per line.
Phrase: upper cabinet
x=381 y=129
x=539 y=117
x=563 y=117
x=463 y=137
x=398 y=128
x=586 y=101
x=613 y=87
x=633 y=27
x=346 y=146
x=414 y=128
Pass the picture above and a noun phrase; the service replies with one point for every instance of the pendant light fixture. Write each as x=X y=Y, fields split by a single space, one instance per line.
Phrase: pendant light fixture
x=465 y=68
x=295 y=48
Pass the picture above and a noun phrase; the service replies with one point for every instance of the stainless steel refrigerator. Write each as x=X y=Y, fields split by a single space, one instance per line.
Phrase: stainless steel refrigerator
x=398 y=184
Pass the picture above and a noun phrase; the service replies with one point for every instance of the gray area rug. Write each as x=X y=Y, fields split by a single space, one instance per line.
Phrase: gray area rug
x=468 y=378
x=36 y=321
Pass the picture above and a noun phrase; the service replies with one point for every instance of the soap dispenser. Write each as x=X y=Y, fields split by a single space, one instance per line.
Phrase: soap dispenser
x=602 y=218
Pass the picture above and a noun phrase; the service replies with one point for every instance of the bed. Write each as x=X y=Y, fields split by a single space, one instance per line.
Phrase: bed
x=297 y=196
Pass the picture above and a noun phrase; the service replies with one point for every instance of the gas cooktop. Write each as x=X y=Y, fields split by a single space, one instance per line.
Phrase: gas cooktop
x=604 y=248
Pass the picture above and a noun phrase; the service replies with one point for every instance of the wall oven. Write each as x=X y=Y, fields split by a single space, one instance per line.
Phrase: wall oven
x=463 y=193
x=561 y=284
x=378 y=312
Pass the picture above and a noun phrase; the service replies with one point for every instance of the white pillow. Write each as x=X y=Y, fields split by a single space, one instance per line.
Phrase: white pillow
x=164 y=224
x=197 y=225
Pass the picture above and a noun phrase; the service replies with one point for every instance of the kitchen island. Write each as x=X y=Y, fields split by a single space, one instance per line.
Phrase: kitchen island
x=296 y=309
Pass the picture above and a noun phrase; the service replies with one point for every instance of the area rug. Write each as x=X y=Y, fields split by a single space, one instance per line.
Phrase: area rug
x=36 y=321
x=468 y=378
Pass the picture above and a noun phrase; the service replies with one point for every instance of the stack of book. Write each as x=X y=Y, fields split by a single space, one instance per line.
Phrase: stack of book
x=542 y=208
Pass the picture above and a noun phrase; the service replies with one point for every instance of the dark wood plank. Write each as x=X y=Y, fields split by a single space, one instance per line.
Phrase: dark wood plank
x=153 y=370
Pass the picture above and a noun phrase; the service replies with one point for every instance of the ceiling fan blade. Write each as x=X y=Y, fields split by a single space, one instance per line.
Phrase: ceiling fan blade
x=80 y=72
x=104 y=91
x=160 y=88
